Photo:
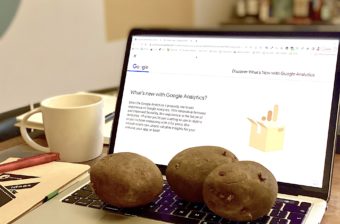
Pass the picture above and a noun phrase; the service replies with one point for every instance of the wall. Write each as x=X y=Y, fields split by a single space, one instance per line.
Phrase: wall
x=60 y=46
x=121 y=15
x=53 y=47
x=210 y=13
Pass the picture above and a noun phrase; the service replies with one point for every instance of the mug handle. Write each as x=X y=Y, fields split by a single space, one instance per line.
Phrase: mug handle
x=26 y=136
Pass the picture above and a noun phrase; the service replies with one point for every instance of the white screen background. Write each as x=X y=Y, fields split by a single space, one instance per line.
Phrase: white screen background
x=229 y=98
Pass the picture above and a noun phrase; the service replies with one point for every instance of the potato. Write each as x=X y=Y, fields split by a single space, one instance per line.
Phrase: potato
x=187 y=170
x=240 y=191
x=126 y=180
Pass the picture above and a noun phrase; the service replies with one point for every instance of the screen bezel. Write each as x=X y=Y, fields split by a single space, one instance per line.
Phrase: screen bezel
x=284 y=188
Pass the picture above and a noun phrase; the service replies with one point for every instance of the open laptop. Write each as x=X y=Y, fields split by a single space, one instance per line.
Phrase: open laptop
x=270 y=97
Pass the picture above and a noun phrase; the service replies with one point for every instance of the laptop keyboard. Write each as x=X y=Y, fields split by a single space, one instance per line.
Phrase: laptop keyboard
x=169 y=208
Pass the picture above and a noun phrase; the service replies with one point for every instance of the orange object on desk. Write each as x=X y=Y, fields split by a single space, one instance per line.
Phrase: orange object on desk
x=29 y=161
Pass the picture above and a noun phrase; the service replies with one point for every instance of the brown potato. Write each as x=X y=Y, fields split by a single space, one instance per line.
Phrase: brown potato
x=240 y=191
x=126 y=180
x=187 y=170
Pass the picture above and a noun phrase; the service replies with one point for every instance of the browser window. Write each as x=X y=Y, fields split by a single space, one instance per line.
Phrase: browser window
x=266 y=100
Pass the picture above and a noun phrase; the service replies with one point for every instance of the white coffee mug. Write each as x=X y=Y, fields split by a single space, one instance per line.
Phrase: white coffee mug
x=73 y=126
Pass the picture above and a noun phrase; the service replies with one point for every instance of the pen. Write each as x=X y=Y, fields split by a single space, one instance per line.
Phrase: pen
x=109 y=117
x=29 y=161
x=50 y=196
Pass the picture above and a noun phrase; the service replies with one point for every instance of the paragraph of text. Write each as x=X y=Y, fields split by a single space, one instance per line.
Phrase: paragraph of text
x=145 y=116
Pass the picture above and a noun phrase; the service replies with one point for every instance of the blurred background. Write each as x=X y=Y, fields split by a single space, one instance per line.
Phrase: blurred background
x=60 y=46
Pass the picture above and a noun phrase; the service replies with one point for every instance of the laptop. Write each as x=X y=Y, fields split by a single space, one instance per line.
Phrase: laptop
x=269 y=97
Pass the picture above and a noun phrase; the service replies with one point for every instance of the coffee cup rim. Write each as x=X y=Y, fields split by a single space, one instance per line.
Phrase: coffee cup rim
x=96 y=100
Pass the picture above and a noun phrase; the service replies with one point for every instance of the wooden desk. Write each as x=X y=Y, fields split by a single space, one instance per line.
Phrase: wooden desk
x=332 y=214
x=40 y=140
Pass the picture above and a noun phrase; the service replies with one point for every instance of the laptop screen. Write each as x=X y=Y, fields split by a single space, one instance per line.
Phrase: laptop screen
x=267 y=98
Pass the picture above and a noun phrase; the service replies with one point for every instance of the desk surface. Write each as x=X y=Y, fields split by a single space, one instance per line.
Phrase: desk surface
x=332 y=214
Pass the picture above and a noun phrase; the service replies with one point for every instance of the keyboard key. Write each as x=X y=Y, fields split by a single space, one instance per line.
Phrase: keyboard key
x=111 y=208
x=296 y=218
x=278 y=213
x=284 y=221
x=212 y=218
x=278 y=205
x=151 y=207
x=93 y=197
x=82 y=193
x=286 y=201
x=278 y=221
x=71 y=199
x=87 y=187
x=166 y=201
x=165 y=209
x=96 y=204
x=294 y=208
x=181 y=212
x=195 y=206
x=197 y=215
x=181 y=203
x=84 y=202
x=305 y=205
x=167 y=194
